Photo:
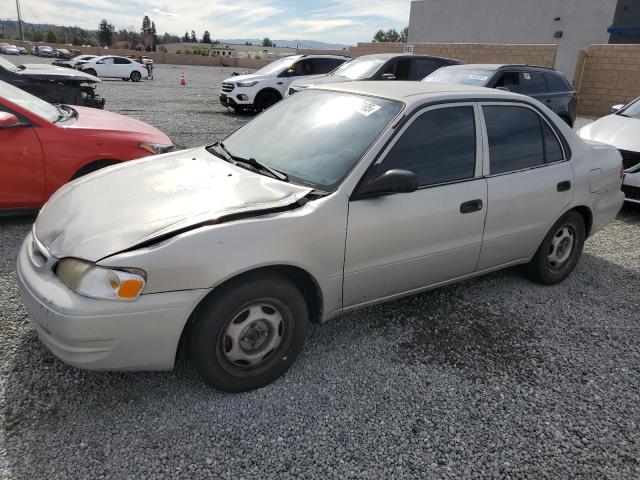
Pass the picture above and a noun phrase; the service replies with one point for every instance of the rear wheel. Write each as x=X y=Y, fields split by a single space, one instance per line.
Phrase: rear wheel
x=266 y=100
x=559 y=252
x=91 y=71
x=135 y=76
x=249 y=332
x=93 y=167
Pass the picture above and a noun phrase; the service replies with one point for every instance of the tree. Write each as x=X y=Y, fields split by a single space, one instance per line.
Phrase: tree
x=391 y=35
x=77 y=41
x=404 y=35
x=105 y=33
x=248 y=43
x=186 y=37
x=206 y=37
x=380 y=36
x=51 y=37
x=193 y=37
x=146 y=25
x=266 y=42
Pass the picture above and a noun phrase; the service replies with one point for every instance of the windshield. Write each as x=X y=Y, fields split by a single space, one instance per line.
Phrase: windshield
x=278 y=66
x=359 y=68
x=632 y=110
x=29 y=102
x=464 y=76
x=6 y=64
x=314 y=137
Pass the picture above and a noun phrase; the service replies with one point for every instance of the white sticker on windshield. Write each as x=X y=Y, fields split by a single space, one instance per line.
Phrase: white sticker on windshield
x=478 y=77
x=367 y=108
x=527 y=76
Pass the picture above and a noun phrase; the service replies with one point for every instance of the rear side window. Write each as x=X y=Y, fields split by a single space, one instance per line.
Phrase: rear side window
x=519 y=138
x=122 y=61
x=533 y=82
x=439 y=146
x=556 y=83
x=424 y=66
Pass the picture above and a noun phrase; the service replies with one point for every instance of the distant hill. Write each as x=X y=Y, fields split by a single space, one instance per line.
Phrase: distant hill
x=309 y=44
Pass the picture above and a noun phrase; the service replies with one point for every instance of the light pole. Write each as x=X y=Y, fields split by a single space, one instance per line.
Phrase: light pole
x=19 y=20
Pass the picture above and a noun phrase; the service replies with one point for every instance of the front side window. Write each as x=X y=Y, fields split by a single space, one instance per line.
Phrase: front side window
x=518 y=139
x=302 y=68
x=510 y=81
x=315 y=137
x=108 y=61
x=325 y=65
x=278 y=66
x=439 y=146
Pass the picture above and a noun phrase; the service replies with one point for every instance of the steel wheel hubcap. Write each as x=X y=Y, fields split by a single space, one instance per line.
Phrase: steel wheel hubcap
x=561 y=247
x=253 y=334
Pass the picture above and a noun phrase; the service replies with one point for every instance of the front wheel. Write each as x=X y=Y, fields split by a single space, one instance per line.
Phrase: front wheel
x=266 y=100
x=91 y=71
x=249 y=332
x=136 y=76
x=559 y=252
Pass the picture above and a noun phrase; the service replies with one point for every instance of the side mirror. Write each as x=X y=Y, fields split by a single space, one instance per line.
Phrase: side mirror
x=617 y=108
x=100 y=62
x=388 y=76
x=390 y=182
x=9 y=120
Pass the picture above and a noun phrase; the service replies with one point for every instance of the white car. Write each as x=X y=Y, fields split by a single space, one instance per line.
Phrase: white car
x=74 y=61
x=622 y=130
x=340 y=197
x=113 y=66
x=261 y=89
x=10 y=50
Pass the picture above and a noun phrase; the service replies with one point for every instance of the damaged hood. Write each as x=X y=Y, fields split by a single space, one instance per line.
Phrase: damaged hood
x=126 y=205
x=60 y=74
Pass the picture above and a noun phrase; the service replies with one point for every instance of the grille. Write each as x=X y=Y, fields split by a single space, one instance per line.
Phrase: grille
x=630 y=159
x=227 y=87
x=631 y=193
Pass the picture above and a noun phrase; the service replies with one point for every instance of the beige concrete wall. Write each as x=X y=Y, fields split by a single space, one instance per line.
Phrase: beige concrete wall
x=158 y=57
x=611 y=75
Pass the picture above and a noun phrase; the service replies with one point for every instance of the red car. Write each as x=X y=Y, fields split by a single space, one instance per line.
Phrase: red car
x=43 y=146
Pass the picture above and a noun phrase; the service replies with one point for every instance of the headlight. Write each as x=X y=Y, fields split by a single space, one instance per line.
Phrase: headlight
x=92 y=281
x=156 y=148
x=248 y=83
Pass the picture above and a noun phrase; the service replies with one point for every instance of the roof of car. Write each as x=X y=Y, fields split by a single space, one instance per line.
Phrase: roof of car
x=321 y=56
x=401 y=90
x=408 y=55
x=499 y=66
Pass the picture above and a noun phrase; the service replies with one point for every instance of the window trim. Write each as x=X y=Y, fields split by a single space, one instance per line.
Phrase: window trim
x=487 y=158
x=477 y=174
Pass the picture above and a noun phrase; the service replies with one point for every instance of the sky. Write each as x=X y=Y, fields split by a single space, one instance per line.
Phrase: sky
x=343 y=21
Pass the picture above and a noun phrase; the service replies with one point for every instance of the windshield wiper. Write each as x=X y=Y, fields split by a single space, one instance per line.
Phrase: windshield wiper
x=221 y=151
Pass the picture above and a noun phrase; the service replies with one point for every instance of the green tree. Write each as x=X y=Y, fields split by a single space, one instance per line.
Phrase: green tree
x=193 y=37
x=186 y=37
x=206 y=37
x=77 y=41
x=105 y=33
x=146 y=25
x=393 y=35
x=404 y=35
x=51 y=37
x=266 y=42
x=380 y=36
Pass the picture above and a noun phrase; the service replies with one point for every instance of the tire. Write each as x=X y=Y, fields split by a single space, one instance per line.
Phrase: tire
x=249 y=332
x=90 y=71
x=93 y=167
x=266 y=100
x=559 y=252
x=135 y=76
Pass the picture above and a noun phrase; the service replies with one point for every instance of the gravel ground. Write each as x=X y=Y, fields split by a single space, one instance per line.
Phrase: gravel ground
x=493 y=378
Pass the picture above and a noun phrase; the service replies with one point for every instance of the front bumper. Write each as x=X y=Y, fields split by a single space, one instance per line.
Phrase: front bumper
x=101 y=334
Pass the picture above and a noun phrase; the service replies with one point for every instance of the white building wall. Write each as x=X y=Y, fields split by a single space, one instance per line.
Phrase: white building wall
x=583 y=22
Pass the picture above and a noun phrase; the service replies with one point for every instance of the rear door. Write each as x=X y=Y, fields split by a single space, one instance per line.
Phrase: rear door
x=563 y=99
x=530 y=182
x=534 y=84
x=22 y=178
x=407 y=241
x=122 y=67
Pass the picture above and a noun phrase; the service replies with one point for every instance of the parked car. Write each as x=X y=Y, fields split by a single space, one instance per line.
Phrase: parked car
x=63 y=54
x=71 y=63
x=22 y=51
x=2 y=45
x=10 y=50
x=622 y=130
x=53 y=84
x=544 y=84
x=343 y=196
x=384 y=66
x=259 y=90
x=43 y=51
x=43 y=146
x=112 y=66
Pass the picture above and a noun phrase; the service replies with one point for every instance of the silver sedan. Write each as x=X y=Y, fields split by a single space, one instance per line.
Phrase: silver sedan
x=336 y=198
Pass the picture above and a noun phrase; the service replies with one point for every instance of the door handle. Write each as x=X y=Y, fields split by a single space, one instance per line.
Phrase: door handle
x=471 y=206
x=564 y=186
x=279 y=83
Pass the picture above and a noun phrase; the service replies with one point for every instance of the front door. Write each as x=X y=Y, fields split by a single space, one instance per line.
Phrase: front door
x=21 y=167
x=530 y=182
x=404 y=242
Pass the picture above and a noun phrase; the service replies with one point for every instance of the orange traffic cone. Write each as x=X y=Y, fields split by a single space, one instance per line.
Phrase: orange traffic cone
x=183 y=81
